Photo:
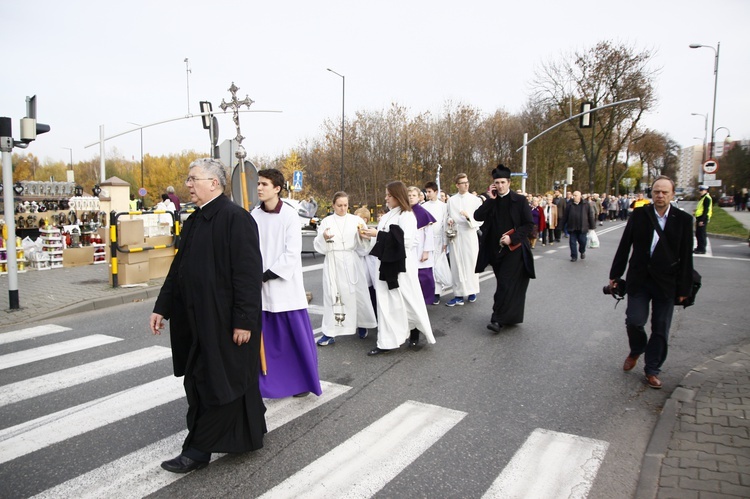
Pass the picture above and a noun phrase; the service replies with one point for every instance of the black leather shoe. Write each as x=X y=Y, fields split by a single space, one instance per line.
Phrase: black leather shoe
x=183 y=464
x=494 y=326
x=414 y=338
x=301 y=395
x=583 y=256
x=377 y=351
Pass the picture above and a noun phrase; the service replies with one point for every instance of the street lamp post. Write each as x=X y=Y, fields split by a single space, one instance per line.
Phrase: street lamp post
x=343 y=101
x=727 y=139
x=136 y=124
x=716 y=84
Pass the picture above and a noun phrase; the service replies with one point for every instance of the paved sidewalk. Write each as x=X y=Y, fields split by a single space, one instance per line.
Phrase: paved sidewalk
x=54 y=292
x=701 y=444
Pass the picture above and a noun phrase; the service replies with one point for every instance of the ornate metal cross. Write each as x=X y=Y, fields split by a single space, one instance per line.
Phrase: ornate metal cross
x=236 y=104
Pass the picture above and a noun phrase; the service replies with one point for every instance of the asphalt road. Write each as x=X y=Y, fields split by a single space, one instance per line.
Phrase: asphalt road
x=560 y=371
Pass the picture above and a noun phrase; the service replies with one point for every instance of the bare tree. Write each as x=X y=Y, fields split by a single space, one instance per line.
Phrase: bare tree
x=602 y=75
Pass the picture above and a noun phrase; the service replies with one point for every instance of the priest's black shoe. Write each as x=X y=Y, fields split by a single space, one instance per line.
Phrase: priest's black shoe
x=377 y=351
x=183 y=464
x=494 y=326
x=414 y=338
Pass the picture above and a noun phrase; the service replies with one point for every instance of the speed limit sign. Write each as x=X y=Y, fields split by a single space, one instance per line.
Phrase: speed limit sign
x=710 y=166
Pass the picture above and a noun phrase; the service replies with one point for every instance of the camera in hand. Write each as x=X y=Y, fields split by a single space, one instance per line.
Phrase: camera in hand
x=617 y=291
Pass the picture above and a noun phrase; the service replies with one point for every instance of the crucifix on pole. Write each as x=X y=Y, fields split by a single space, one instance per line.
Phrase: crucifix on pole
x=235 y=104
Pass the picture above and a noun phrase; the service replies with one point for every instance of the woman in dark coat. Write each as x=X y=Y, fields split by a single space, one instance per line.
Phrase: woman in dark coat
x=212 y=298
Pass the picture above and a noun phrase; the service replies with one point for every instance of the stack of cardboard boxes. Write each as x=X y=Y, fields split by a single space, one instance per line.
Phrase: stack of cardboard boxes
x=137 y=267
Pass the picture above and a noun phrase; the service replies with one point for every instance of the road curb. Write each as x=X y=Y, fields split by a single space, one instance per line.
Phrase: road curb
x=101 y=303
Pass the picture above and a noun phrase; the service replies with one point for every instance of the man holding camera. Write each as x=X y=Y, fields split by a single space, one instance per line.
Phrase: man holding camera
x=660 y=272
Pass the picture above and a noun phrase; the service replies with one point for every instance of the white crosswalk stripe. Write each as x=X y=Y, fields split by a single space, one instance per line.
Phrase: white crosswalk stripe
x=47 y=352
x=385 y=448
x=66 y=378
x=549 y=464
x=33 y=435
x=31 y=333
x=139 y=473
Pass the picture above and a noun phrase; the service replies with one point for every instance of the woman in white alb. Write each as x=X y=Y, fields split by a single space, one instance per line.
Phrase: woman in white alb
x=343 y=273
x=401 y=306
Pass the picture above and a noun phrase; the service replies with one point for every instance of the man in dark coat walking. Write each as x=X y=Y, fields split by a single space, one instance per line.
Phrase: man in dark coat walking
x=503 y=211
x=660 y=272
x=212 y=298
x=579 y=219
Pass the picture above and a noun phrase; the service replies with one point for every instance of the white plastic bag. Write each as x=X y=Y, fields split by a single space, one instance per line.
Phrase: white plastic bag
x=593 y=239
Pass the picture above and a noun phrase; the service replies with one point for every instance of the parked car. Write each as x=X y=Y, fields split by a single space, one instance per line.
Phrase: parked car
x=726 y=201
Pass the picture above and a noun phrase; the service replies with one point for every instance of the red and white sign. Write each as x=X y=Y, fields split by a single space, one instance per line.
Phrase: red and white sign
x=710 y=166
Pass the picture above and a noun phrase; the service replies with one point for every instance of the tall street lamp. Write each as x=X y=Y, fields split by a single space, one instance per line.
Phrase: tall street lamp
x=716 y=83
x=343 y=100
x=136 y=124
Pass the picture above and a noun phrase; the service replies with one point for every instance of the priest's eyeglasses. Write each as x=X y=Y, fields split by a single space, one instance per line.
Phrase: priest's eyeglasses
x=191 y=180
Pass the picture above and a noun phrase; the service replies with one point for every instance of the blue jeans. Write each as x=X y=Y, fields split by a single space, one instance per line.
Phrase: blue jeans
x=636 y=315
x=577 y=241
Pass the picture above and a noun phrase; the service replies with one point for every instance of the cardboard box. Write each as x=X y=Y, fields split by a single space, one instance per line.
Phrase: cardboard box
x=159 y=267
x=76 y=257
x=130 y=233
x=131 y=258
x=134 y=273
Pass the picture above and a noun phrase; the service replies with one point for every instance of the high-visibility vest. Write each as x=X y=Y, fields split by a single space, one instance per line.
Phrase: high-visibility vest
x=699 y=209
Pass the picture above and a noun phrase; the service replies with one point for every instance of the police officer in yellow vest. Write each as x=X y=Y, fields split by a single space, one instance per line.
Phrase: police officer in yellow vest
x=703 y=213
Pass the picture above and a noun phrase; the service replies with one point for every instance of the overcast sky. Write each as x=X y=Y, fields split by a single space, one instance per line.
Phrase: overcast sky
x=109 y=63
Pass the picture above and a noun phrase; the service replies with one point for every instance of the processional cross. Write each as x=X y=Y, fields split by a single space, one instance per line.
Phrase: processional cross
x=236 y=104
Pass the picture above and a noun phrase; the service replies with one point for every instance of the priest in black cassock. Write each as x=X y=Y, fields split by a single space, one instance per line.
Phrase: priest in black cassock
x=212 y=298
x=504 y=244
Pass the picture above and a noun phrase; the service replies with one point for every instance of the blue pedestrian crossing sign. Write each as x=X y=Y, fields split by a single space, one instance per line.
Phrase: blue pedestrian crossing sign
x=297 y=181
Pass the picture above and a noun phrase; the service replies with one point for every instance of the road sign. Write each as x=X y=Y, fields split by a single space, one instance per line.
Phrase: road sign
x=710 y=166
x=519 y=174
x=297 y=181
x=712 y=183
x=142 y=192
x=709 y=176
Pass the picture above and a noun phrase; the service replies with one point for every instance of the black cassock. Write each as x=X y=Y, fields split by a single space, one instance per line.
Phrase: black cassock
x=214 y=286
x=512 y=269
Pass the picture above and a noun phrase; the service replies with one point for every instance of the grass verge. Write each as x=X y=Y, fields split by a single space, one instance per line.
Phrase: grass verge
x=725 y=224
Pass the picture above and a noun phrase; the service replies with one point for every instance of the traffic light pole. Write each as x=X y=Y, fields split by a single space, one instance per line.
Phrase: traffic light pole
x=6 y=145
x=587 y=111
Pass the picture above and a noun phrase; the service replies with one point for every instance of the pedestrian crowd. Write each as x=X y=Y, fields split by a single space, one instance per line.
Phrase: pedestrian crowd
x=235 y=300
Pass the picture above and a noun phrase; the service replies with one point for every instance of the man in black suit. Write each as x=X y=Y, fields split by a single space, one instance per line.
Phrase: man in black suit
x=654 y=275
x=502 y=211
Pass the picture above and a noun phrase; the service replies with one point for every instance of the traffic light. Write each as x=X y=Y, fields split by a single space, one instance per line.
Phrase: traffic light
x=29 y=126
x=586 y=118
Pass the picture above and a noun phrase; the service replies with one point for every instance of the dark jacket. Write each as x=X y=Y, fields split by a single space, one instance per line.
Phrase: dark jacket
x=389 y=248
x=579 y=216
x=214 y=286
x=674 y=278
x=520 y=213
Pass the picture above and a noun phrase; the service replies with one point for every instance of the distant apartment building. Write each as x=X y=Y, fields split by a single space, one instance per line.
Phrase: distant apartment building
x=691 y=161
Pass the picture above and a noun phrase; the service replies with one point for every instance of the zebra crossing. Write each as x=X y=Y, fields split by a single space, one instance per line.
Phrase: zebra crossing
x=548 y=464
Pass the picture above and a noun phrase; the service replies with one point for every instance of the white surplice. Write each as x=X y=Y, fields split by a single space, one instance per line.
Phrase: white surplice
x=465 y=246
x=401 y=309
x=344 y=273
